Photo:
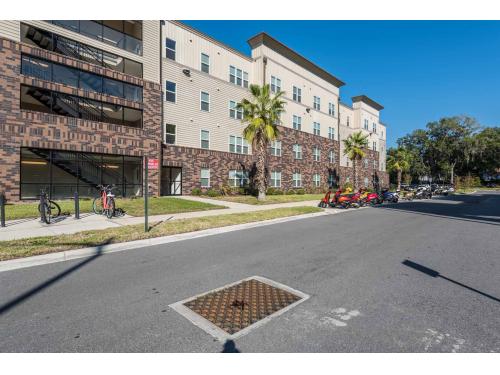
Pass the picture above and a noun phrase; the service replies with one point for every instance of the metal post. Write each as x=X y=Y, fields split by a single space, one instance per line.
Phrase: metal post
x=146 y=193
x=2 y=210
x=77 y=206
x=42 y=207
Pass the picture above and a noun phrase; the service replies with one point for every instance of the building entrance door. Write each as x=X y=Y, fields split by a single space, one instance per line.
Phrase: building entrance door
x=171 y=181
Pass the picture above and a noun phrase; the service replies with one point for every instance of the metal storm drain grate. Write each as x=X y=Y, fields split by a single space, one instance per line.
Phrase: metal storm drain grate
x=235 y=309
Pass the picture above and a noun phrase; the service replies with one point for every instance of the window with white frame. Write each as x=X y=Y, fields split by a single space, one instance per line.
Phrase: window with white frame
x=238 y=76
x=374 y=146
x=331 y=133
x=347 y=179
x=374 y=127
x=365 y=163
x=170 y=134
x=316 y=180
x=205 y=139
x=297 y=180
x=276 y=148
x=374 y=164
x=275 y=84
x=238 y=178
x=205 y=63
x=382 y=134
x=365 y=181
x=234 y=111
x=297 y=122
x=297 y=151
x=317 y=103
x=331 y=156
x=170 y=91
x=238 y=145
x=205 y=101
x=331 y=180
x=365 y=124
x=331 y=109
x=316 y=128
x=297 y=94
x=275 y=179
x=170 y=49
x=205 y=177
x=316 y=153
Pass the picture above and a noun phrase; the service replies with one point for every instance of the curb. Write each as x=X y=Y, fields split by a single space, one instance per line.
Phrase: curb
x=37 y=260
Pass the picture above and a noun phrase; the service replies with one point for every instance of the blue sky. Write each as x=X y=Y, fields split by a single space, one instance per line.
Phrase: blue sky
x=418 y=70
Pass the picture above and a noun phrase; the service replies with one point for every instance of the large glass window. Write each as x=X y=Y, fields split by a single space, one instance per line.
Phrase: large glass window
x=62 y=173
x=238 y=178
x=49 y=71
x=238 y=76
x=40 y=100
x=238 y=145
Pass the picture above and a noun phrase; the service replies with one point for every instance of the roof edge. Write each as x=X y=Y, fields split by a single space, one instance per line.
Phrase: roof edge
x=365 y=99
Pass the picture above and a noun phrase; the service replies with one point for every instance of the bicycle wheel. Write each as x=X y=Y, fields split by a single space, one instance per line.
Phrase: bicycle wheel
x=110 y=211
x=97 y=206
x=47 y=217
x=55 y=210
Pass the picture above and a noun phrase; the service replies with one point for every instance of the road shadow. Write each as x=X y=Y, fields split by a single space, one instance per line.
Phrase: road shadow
x=433 y=273
x=230 y=347
x=37 y=289
x=480 y=208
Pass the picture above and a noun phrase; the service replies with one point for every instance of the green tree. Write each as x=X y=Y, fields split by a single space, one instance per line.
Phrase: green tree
x=487 y=157
x=417 y=144
x=398 y=160
x=261 y=114
x=354 y=149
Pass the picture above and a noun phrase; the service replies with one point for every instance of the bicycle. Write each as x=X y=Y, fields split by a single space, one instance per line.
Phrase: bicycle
x=105 y=202
x=49 y=210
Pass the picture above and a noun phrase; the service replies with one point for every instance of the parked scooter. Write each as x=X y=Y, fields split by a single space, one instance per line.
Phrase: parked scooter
x=390 y=196
x=369 y=198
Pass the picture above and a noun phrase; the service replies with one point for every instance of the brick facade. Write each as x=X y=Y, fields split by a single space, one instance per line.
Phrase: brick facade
x=192 y=160
x=21 y=128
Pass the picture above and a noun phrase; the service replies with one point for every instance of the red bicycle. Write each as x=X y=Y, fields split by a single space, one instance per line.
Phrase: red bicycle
x=105 y=202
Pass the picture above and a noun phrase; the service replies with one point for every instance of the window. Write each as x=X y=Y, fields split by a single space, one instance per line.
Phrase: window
x=205 y=139
x=365 y=124
x=331 y=180
x=275 y=179
x=331 y=133
x=238 y=178
x=317 y=103
x=331 y=156
x=365 y=163
x=297 y=151
x=297 y=94
x=78 y=107
x=347 y=121
x=234 y=111
x=275 y=84
x=238 y=145
x=382 y=134
x=316 y=128
x=366 y=181
x=374 y=127
x=374 y=146
x=316 y=180
x=170 y=91
x=297 y=180
x=238 y=77
x=276 y=148
x=205 y=177
x=205 y=101
x=331 y=109
x=170 y=49
x=347 y=179
x=374 y=164
x=170 y=134
x=316 y=153
x=205 y=63
x=66 y=75
x=297 y=122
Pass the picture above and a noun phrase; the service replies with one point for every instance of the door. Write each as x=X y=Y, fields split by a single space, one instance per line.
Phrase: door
x=171 y=181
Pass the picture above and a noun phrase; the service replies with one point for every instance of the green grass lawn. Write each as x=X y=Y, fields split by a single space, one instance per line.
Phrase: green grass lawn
x=44 y=245
x=271 y=199
x=134 y=207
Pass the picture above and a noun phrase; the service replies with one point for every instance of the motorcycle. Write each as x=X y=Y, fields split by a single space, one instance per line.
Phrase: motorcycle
x=390 y=196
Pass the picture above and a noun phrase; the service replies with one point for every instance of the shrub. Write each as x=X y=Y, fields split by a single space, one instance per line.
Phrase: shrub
x=213 y=193
x=291 y=192
x=274 y=191
x=348 y=185
x=300 y=192
x=196 y=191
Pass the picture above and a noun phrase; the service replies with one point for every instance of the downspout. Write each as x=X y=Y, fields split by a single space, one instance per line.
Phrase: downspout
x=338 y=134
x=264 y=66
x=162 y=135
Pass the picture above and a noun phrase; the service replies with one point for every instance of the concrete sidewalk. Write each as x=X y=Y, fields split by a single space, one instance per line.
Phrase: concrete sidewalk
x=26 y=228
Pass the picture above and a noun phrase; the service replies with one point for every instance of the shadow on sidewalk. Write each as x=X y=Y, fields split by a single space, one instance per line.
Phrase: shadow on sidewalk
x=37 y=289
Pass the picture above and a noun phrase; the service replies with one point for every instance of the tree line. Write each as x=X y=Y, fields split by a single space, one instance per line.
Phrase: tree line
x=451 y=147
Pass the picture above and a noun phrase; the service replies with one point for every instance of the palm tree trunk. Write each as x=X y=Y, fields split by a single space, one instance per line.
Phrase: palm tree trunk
x=452 y=178
x=261 y=169
x=399 y=179
x=355 y=175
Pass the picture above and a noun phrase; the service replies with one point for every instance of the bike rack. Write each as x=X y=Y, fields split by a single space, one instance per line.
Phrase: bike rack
x=2 y=210
x=77 y=206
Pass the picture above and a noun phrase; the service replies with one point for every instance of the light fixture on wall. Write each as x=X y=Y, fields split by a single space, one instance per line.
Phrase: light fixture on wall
x=308 y=110
x=186 y=72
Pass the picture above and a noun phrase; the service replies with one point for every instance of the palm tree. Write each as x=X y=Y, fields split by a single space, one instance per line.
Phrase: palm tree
x=261 y=114
x=354 y=146
x=398 y=161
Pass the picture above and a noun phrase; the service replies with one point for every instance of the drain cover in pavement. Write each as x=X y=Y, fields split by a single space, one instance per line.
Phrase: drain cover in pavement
x=233 y=310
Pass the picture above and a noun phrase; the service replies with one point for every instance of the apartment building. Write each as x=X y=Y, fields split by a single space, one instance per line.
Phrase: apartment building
x=204 y=147
x=83 y=103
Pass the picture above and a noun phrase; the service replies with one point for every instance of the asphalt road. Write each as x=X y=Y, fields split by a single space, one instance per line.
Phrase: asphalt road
x=364 y=294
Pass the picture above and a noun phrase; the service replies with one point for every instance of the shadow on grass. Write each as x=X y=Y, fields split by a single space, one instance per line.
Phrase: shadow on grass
x=37 y=289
